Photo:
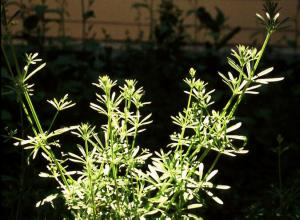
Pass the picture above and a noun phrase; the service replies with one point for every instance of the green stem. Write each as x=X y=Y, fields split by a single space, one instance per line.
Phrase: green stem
x=126 y=110
x=135 y=130
x=214 y=163
x=52 y=122
x=29 y=119
x=179 y=144
x=62 y=171
x=23 y=165
x=251 y=74
x=262 y=50
x=228 y=104
x=48 y=152
x=110 y=144
x=89 y=171
x=240 y=97
x=33 y=112
x=7 y=62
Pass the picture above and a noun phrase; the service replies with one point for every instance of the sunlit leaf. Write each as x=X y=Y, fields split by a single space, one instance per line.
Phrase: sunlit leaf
x=211 y=175
x=195 y=206
x=34 y=71
x=234 y=127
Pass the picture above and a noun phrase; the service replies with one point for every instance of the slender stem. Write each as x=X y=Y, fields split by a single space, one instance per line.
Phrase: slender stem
x=62 y=171
x=89 y=171
x=135 y=130
x=262 y=50
x=214 y=163
x=189 y=149
x=126 y=110
x=33 y=112
x=48 y=152
x=228 y=104
x=234 y=108
x=52 y=122
x=109 y=141
x=9 y=39
x=7 y=62
x=240 y=97
x=29 y=119
x=23 y=166
x=179 y=144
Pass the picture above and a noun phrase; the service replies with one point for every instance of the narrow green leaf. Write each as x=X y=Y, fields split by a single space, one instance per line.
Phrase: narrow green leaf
x=265 y=72
x=238 y=137
x=267 y=80
x=211 y=175
x=44 y=175
x=234 y=127
x=34 y=71
x=201 y=167
x=153 y=173
x=195 y=206
x=234 y=65
x=215 y=198
x=222 y=187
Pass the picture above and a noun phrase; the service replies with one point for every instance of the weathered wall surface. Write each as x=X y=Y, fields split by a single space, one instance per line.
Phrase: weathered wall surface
x=119 y=20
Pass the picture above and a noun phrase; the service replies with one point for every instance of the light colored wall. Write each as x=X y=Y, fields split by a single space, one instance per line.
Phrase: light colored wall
x=118 y=18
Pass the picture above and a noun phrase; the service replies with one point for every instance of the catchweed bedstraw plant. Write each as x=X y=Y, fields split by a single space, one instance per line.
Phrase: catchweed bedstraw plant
x=111 y=180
